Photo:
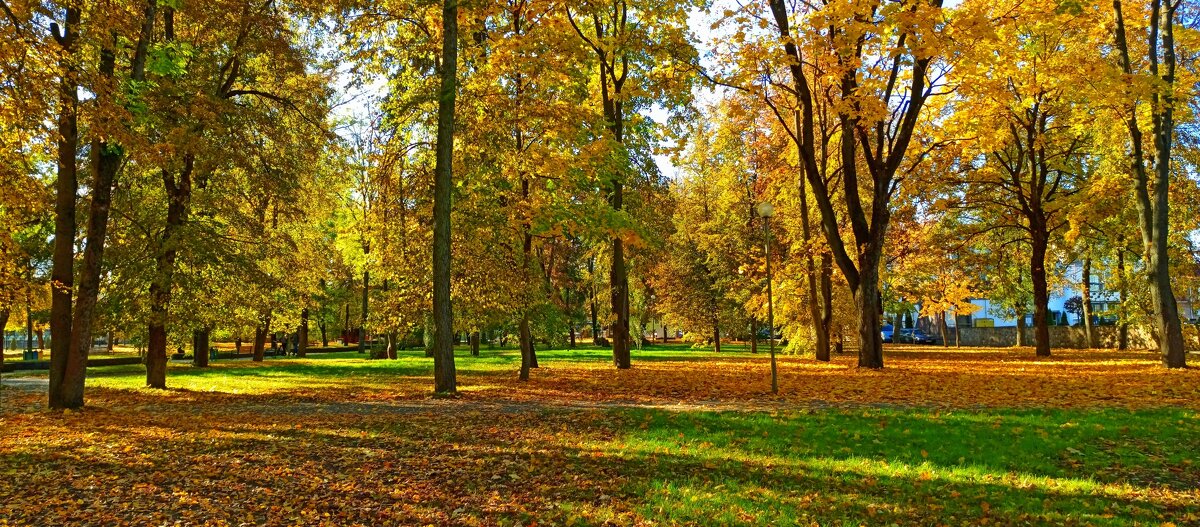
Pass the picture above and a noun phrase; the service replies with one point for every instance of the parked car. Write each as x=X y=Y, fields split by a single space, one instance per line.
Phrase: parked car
x=915 y=336
x=886 y=332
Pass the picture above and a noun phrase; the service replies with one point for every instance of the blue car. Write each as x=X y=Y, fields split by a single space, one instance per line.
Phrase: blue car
x=886 y=332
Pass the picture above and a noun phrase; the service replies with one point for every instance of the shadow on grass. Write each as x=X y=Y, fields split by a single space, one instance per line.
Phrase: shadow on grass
x=456 y=463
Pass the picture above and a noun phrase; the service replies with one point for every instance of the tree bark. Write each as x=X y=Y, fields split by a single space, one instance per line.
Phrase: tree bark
x=942 y=329
x=526 y=344
x=65 y=369
x=716 y=336
x=475 y=344
x=753 y=335
x=362 y=328
x=445 y=380
x=4 y=313
x=260 y=339
x=200 y=347
x=179 y=192
x=1041 y=293
x=1122 y=313
x=1089 y=330
x=1020 y=328
x=819 y=327
x=867 y=300
x=302 y=335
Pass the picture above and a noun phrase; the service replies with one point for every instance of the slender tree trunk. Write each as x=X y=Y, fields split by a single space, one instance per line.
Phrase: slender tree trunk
x=664 y=333
x=4 y=313
x=620 y=298
x=302 y=335
x=237 y=344
x=346 y=327
x=819 y=327
x=571 y=335
x=41 y=339
x=1122 y=313
x=1020 y=328
x=324 y=335
x=362 y=328
x=1041 y=294
x=443 y=357
x=941 y=318
x=1089 y=330
x=110 y=341
x=753 y=335
x=826 y=303
x=526 y=343
x=200 y=347
x=716 y=337
x=64 y=368
x=475 y=344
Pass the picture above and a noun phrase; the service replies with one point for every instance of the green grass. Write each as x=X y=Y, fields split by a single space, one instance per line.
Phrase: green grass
x=906 y=465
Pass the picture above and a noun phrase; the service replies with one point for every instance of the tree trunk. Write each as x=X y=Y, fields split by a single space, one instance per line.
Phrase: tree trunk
x=1089 y=331
x=4 y=313
x=179 y=192
x=620 y=298
x=65 y=369
x=1020 y=328
x=110 y=341
x=237 y=343
x=346 y=327
x=820 y=331
x=362 y=328
x=753 y=335
x=1122 y=314
x=302 y=335
x=443 y=356
x=526 y=343
x=571 y=335
x=942 y=329
x=475 y=344
x=324 y=335
x=826 y=306
x=716 y=337
x=867 y=300
x=41 y=339
x=1041 y=294
x=200 y=347
x=260 y=339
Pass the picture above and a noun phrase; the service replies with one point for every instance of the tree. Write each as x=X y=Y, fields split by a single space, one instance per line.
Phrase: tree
x=1151 y=81
x=443 y=352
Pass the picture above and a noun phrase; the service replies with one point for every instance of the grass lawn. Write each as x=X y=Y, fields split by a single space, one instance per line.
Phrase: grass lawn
x=959 y=437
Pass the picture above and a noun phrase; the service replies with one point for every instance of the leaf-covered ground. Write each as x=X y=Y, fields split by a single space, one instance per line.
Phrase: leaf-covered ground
x=960 y=437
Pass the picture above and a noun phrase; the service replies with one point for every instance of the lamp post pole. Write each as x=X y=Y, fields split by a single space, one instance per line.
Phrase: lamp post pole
x=765 y=211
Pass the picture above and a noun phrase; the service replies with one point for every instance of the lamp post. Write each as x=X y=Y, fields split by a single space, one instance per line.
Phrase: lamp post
x=765 y=211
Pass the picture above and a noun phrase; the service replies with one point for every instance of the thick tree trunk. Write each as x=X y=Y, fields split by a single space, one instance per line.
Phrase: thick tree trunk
x=302 y=335
x=867 y=300
x=1089 y=331
x=1041 y=294
x=65 y=369
x=179 y=192
x=445 y=380
x=200 y=347
x=475 y=344
x=260 y=340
